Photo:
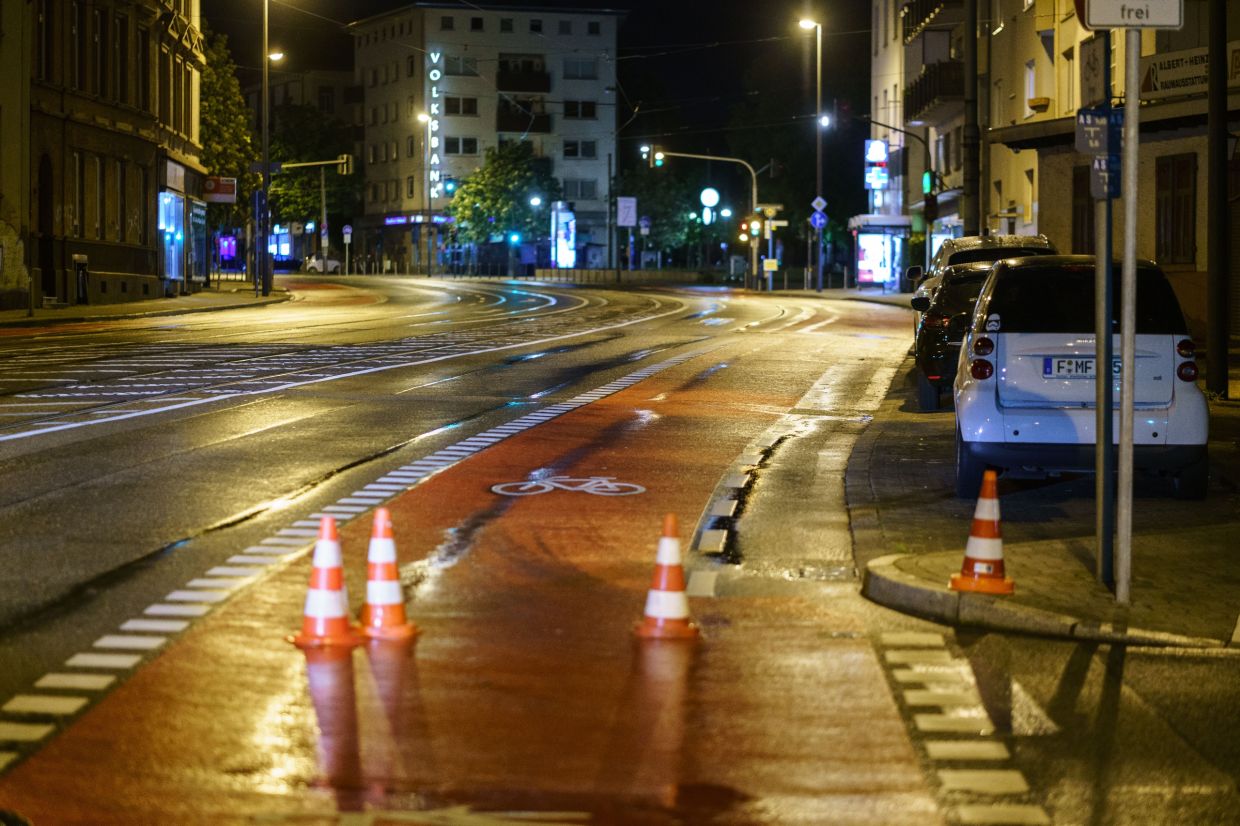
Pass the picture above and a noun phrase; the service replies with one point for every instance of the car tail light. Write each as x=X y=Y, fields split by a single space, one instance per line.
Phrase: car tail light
x=939 y=321
x=1186 y=348
x=1187 y=371
x=983 y=346
x=981 y=369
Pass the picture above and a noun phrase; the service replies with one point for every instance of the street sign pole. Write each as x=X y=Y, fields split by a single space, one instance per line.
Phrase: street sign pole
x=1128 y=316
x=1104 y=453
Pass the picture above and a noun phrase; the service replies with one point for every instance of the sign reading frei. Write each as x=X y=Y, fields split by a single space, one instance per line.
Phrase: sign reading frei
x=1134 y=14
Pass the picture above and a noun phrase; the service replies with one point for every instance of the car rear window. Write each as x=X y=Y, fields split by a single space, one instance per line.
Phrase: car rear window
x=995 y=253
x=1034 y=299
x=959 y=294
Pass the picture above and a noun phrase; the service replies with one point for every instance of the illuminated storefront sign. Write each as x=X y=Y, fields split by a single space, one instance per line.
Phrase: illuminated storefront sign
x=876 y=175
x=434 y=173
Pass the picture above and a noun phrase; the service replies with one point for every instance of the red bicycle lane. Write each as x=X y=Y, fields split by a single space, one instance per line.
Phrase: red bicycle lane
x=526 y=688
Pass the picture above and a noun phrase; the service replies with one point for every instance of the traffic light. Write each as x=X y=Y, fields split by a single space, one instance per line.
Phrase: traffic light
x=449 y=186
x=927 y=182
x=931 y=208
x=658 y=156
x=344 y=164
x=652 y=155
x=755 y=227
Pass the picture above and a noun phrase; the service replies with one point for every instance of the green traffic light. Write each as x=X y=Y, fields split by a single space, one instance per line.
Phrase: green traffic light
x=927 y=182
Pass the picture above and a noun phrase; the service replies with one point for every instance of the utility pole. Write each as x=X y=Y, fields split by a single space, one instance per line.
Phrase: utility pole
x=969 y=198
x=1217 y=241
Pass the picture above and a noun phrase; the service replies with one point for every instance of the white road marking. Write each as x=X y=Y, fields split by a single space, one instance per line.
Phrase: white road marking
x=44 y=704
x=6 y=757
x=130 y=642
x=913 y=655
x=1006 y=814
x=958 y=750
x=117 y=661
x=943 y=723
x=702 y=583
x=160 y=610
x=80 y=682
x=24 y=732
x=197 y=596
x=912 y=639
x=983 y=781
x=158 y=626
x=712 y=541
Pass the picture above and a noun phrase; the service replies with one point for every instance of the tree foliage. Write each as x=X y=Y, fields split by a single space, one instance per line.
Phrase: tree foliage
x=495 y=199
x=666 y=198
x=303 y=134
x=228 y=147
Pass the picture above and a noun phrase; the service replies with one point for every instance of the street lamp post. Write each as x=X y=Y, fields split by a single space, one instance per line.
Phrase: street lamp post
x=817 y=27
x=262 y=259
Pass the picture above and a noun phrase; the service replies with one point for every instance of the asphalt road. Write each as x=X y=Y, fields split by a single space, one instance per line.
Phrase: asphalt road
x=164 y=478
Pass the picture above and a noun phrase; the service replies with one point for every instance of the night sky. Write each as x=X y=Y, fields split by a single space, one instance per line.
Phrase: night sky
x=705 y=77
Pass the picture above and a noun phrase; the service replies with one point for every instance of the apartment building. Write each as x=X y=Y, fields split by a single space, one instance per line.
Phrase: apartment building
x=442 y=83
x=104 y=100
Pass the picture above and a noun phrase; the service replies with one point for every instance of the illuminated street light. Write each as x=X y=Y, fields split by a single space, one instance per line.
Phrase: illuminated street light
x=535 y=201
x=276 y=56
x=823 y=121
x=725 y=212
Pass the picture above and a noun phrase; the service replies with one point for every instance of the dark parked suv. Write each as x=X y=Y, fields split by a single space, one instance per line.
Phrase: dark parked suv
x=944 y=321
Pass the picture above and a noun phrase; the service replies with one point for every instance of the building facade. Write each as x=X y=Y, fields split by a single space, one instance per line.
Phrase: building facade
x=441 y=84
x=113 y=208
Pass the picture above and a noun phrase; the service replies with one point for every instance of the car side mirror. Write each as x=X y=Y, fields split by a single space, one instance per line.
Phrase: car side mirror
x=920 y=303
x=913 y=273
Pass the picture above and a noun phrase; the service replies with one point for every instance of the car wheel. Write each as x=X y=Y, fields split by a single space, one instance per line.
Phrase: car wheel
x=1192 y=481
x=927 y=393
x=969 y=470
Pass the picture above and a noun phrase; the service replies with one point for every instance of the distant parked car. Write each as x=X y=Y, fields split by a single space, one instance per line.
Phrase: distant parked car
x=316 y=263
x=968 y=249
x=1024 y=386
x=944 y=321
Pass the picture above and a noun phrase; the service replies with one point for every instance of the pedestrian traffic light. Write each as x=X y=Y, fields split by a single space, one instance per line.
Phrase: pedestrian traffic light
x=658 y=156
x=755 y=227
x=931 y=208
x=927 y=182
x=344 y=164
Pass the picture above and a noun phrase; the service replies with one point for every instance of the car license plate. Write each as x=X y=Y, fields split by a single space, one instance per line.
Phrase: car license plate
x=1057 y=367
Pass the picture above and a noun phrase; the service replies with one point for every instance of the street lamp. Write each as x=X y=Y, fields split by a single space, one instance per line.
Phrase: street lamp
x=264 y=212
x=535 y=201
x=822 y=122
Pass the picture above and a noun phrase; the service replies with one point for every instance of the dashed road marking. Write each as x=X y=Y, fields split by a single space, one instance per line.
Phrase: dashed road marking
x=986 y=781
x=116 y=661
x=76 y=682
x=960 y=750
x=702 y=584
x=54 y=705
x=24 y=732
x=1001 y=815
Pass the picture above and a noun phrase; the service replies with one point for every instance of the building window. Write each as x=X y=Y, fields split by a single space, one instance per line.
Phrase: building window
x=593 y=27
x=464 y=66
x=505 y=24
x=1030 y=197
x=1067 y=95
x=327 y=100
x=393 y=188
x=1031 y=86
x=374 y=77
x=101 y=53
x=475 y=24
x=447 y=23
x=1082 y=212
x=77 y=22
x=535 y=26
x=580 y=189
x=372 y=153
x=580 y=68
x=101 y=197
x=120 y=59
x=79 y=193
x=580 y=149
x=409 y=187
x=1175 y=209
x=43 y=40
x=374 y=193
x=121 y=204
x=997 y=118
x=460 y=146
x=460 y=106
x=580 y=109
x=411 y=65
x=411 y=146
x=566 y=27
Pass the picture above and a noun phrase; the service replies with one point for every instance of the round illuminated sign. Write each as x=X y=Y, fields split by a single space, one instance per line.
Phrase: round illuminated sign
x=710 y=196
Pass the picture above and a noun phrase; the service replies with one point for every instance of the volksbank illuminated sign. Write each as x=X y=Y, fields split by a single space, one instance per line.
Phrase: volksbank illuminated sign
x=434 y=75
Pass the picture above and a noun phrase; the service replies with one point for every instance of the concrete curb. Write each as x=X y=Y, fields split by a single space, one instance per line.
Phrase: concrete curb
x=885 y=584
x=79 y=319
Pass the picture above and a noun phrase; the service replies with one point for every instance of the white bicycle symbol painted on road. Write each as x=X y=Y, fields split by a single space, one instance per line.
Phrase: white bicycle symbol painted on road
x=597 y=485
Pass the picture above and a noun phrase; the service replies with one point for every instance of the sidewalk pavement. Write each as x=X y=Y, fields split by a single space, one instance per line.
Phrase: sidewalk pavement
x=224 y=295
x=909 y=533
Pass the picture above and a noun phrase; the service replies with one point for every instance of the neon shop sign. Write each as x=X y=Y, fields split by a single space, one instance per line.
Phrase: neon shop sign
x=435 y=171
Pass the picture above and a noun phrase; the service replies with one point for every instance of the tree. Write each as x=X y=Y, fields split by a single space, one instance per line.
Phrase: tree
x=304 y=134
x=666 y=198
x=228 y=147
x=495 y=199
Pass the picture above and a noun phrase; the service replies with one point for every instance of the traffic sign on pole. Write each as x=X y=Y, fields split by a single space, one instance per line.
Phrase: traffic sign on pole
x=817 y=220
x=818 y=204
x=1132 y=14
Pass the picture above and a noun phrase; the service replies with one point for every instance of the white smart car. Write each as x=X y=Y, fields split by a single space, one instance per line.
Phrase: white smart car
x=1024 y=387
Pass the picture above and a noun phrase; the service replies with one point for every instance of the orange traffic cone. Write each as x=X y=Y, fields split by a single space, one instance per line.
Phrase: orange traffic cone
x=982 y=570
x=325 y=620
x=383 y=616
x=667 y=606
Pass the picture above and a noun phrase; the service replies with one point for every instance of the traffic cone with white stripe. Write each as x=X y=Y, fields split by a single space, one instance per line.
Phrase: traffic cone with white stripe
x=982 y=570
x=667 y=605
x=383 y=616
x=325 y=621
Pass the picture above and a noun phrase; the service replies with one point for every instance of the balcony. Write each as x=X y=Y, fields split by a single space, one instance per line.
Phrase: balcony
x=509 y=118
x=920 y=15
x=937 y=95
x=516 y=80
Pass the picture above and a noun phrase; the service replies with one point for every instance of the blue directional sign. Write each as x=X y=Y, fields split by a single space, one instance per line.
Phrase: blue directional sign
x=1099 y=131
x=817 y=220
x=1104 y=177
